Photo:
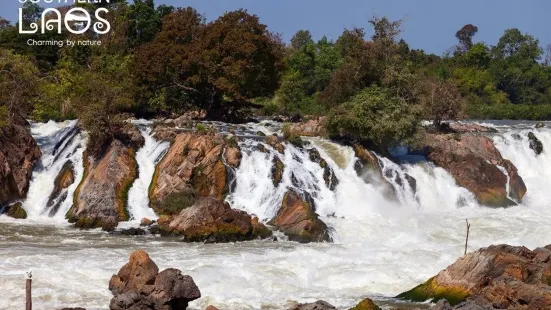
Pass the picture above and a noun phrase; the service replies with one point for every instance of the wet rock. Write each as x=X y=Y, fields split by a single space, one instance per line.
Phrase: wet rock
x=195 y=166
x=366 y=304
x=367 y=167
x=298 y=220
x=101 y=197
x=473 y=162
x=211 y=308
x=535 y=143
x=165 y=133
x=140 y=286
x=277 y=171
x=16 y=211
x=539 y=125
x=64 y=179
x=132 y=231
x=212 y=220
x=500 y=276
x=146 y=222
x=19 y=153
x=318 y=305
x=260 y=147
x=312 y=127
x=274 y=142
x=328 y=174
x=130 y=136
x=442 y=305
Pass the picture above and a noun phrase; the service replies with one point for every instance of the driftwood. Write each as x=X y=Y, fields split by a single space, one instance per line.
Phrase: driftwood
x=467 y=239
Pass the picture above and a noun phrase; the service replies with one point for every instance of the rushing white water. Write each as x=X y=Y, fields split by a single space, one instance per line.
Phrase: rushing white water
x=147 y=157
x=382 y=247
x=59 y=143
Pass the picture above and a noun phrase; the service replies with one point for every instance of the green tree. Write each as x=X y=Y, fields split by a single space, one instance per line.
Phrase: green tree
x=465 y=36
x=301 y=39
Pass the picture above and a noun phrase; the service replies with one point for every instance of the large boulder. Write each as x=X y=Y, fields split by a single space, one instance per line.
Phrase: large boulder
x=312 y=127
x=64 y=179
x=19 y=153
x=366 y=304
x=476 y=164
x=368 y=168
x=195 y=166
x=101 y=197
x=16 y=211
x=298 y=220
x=140 y=286
x=212 y=220
x=501 y=276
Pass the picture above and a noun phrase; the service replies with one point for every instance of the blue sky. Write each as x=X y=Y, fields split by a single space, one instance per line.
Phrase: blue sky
x=429 y=24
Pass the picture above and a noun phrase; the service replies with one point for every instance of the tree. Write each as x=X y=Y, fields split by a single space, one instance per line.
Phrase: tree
x=301 y=38
x=465 y=36
x=144 y=21
x=4 y=23
x=375 y=117
x=441 y=101
x=547 y=60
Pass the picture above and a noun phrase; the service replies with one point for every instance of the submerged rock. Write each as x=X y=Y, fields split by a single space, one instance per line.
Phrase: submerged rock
x=139 y=286
x=212 y=220
x=500 y=276
x=318 y=305
x=277 y=171
x=366 y=304
x=274 y=142
x=195 y=166
x=298 y=220
x=19 y=153
x=101 y=197
x=475 y=163
x=535 y=143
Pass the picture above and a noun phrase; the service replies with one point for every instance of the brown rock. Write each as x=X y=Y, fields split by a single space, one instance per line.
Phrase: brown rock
x=192 y=168
x=130 y=136
x=100 y=199
x=16 y=211
x=211 y=308
x=466 y=127
x=212 y=220
x=472 y=160
x=368 y=169
x=366 y=304
x=297 y=220
x=140 y=286
x=64 y=179
x=274 y=142
x=146 y=222
x=318 y=305
x=502 y=276
x=18 y=155
x=313 y=127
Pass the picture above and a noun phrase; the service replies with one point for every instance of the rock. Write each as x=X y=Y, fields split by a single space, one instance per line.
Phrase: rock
x=165 y=133
x=313 y=127
x=274 y=142
x=64 y=179
x=367 y=167
x=193 y=167
x=442 y=305
x=500 y=276
x=19 y=153
x=140 y=286
x=146 y=222
x=101 y=197
x=132 y=231
x=212 y=220
x=297 y=220
x=366 y=304
x=16 y=211
x=186 y=120
x=211 y=308
x=318 y=305
x=277 y=171
x=535 y=143
x=473 y=162
x=328 y=174
x=130 y=136
x=539 y=125
x=466 y=127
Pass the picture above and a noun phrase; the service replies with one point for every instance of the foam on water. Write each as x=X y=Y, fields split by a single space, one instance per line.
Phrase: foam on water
x=381 y=247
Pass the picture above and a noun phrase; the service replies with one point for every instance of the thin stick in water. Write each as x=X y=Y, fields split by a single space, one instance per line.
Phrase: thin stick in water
x=467 y=239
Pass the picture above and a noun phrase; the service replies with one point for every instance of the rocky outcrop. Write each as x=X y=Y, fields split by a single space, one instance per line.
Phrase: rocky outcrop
x=195 y=166
x=475 y=163
x=212 y=220
x=298 y=220
x=313 y=127
x=318 y=305
x=19 y=153
x=535 y=143
x=366 y=304
x=16 y=211
x=328 y=174
x=101 y=197
x=64 y=179
x=501 y=276
x=140 y=286
x=367 y=167
x=466 y=127
x=130 y=136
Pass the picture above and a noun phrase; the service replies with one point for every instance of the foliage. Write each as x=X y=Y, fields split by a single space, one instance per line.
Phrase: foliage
x=377 y=117
x=510 y=111
x=441 y=101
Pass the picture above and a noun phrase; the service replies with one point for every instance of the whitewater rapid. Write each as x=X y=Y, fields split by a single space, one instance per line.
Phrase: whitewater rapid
x=381 y=247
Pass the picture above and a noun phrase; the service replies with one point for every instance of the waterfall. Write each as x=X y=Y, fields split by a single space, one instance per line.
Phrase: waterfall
x=147 y=158
x=60 y=143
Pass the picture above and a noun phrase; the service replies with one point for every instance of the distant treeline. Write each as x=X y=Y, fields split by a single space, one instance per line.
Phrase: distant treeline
x=163 y=60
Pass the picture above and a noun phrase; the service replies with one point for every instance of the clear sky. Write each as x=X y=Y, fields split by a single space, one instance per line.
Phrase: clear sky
x=429 y=24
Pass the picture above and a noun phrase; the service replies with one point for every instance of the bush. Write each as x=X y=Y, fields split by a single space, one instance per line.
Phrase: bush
x=375 y=117
x=510 y=111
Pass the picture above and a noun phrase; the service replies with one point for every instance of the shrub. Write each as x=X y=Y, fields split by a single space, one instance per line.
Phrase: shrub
x=535 y=112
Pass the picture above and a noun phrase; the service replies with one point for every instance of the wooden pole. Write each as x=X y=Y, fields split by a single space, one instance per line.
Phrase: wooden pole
x=467 y=239
x=29 y=303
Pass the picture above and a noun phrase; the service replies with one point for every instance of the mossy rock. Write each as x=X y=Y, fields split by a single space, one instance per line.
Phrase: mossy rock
x=277 y=171
x=366 y=304
x=174 y=203
x=89 y=223
x=16 y=211
x=434 y=292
